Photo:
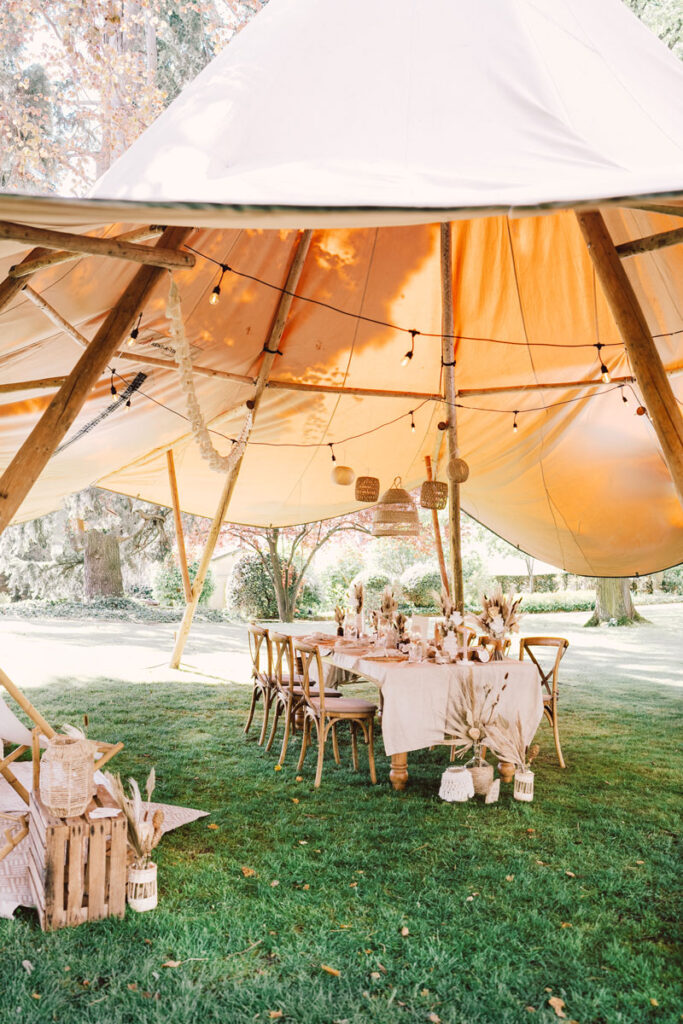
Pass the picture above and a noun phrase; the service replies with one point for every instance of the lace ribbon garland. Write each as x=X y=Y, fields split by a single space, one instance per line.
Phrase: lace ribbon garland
x=221 y=463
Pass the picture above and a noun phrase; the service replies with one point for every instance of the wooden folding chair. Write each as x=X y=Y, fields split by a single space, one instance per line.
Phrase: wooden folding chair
x=262 y=684
x=325 y=717
x=42 y=728
x=549 y=678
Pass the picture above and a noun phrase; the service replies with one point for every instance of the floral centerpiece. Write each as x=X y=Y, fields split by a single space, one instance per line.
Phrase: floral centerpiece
x=500 y=615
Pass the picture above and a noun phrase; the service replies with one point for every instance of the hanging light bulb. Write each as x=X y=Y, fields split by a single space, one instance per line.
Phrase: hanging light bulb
x=411 y=351
x=334 y=457
x=112 y=388
x=514 y=422
x=623 y=396
x=406 y=359
x=604 y=372
x=412 y=422
x=132 y=337
x=215 y=295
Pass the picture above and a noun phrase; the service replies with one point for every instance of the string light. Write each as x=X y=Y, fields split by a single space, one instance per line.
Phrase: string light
x=132 y=337
x=411 y=352
x=514 y=422
x=623 y=396
x=412 y=421
x=216 y=293
x=334 y=457
x=112 y=389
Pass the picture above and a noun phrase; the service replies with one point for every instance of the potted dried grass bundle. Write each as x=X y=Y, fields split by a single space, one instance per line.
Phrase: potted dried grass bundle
x=500 y=615
x=144 y=833
x=507 y=743
x=470 y=715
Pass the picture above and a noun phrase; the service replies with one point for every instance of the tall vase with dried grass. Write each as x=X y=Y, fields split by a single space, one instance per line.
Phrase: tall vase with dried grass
x=339 y=616
x=500 y=615
x=507 y=742
x=388 y=609
x=358 y=601
x=144 y=833
x=470 y=714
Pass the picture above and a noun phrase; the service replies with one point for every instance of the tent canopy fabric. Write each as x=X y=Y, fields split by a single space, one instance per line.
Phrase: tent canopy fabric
x=371 y=122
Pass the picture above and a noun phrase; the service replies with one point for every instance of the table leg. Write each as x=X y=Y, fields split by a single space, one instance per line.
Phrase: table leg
x=399 y=771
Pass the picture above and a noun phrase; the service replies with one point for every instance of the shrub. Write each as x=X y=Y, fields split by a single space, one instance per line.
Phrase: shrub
x=419 y=582
x=375 y=581
x=249 y=591
x=168 y=584
x=336 y=579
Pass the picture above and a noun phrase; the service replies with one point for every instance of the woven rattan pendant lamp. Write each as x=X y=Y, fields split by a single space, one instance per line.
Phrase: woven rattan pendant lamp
x=396 y=514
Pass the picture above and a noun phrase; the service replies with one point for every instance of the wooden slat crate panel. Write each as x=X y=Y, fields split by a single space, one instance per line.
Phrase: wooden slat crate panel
x=77 y=867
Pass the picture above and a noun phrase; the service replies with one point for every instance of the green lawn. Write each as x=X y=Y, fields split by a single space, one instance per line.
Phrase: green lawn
x=506 y=906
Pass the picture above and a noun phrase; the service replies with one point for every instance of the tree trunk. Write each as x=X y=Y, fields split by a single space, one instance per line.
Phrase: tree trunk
x=613 y=602
x=102 y=565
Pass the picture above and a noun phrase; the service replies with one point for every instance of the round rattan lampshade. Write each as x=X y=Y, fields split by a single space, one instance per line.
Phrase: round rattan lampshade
x=434 y=494
x=343 y=475
x=458 y=470
x=367 y=488
x=396 y=515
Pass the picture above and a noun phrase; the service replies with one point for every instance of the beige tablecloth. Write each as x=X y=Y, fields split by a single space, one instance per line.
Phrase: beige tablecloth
x=416 y=696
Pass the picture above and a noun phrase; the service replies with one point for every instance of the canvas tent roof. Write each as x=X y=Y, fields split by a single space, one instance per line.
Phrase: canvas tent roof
x=370 y=122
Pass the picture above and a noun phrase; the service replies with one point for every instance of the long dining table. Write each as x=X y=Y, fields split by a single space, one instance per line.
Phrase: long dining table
x=416 y=695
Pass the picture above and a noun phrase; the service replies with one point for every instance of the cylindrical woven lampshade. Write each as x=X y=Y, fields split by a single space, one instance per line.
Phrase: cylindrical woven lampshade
x=367 y=488
x=433 y=494
x=66 y=776
x=396 y=515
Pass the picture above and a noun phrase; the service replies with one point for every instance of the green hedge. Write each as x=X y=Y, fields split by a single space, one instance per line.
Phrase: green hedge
x=560 y=601
x=419 y=582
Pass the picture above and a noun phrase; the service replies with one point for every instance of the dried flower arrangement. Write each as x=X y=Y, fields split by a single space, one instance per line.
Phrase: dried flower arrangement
x=388 y=605
x=339 y=615
x=499 y=616
x=144 y=829
x=402 y=626
x=358 y=596
x=374 y=619
x=452 y=620
x=470 y=715
x=507 y=743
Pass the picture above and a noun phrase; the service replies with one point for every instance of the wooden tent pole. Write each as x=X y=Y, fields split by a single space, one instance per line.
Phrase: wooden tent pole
x=12 y=286
x=56 y=318
x=39 y=446
x=450 y=395
x=92 y=245
x=651 y=377
x=53 y=257
x=437 y=534
x=179 y=536
x=269 y=353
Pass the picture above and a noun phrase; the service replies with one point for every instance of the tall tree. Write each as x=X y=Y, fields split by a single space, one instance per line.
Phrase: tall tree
x=613 y=603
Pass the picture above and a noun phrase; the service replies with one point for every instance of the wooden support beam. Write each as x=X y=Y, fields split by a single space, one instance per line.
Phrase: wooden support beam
x=666 y=209
x=170 y=364
x=650 y=243
x=43 y=383
x=179 y=535
x=651 y=377
x=35 y=759
x=50 y=259
x=12 y=286
x=516 y=389
x=38 y=448
x=270 y=352
x=450 y=396
x=335 y=389
x=89 y=245
x=437 y=534
x=56 y=318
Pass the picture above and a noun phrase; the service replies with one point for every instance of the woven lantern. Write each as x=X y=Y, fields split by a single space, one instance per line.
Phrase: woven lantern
x=343 y=475
x=396 y=515
x=67 y=776
x=367 y=488
x=458 y=471
x=433 y=494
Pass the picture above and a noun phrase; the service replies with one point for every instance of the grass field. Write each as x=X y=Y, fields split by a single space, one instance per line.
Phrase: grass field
x=506 y=907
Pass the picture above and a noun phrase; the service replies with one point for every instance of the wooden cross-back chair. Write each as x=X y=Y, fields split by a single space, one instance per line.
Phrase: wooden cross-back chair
x=487 y=642
x=324 y=715
x=41 y=729
x=549 y=678
x=262 y=684
x=289 y=694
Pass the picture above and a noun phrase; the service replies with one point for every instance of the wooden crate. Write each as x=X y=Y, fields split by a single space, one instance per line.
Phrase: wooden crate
x=77 y=867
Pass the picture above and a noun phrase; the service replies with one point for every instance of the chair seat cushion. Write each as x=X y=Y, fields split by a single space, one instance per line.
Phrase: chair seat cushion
x=347 y=706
